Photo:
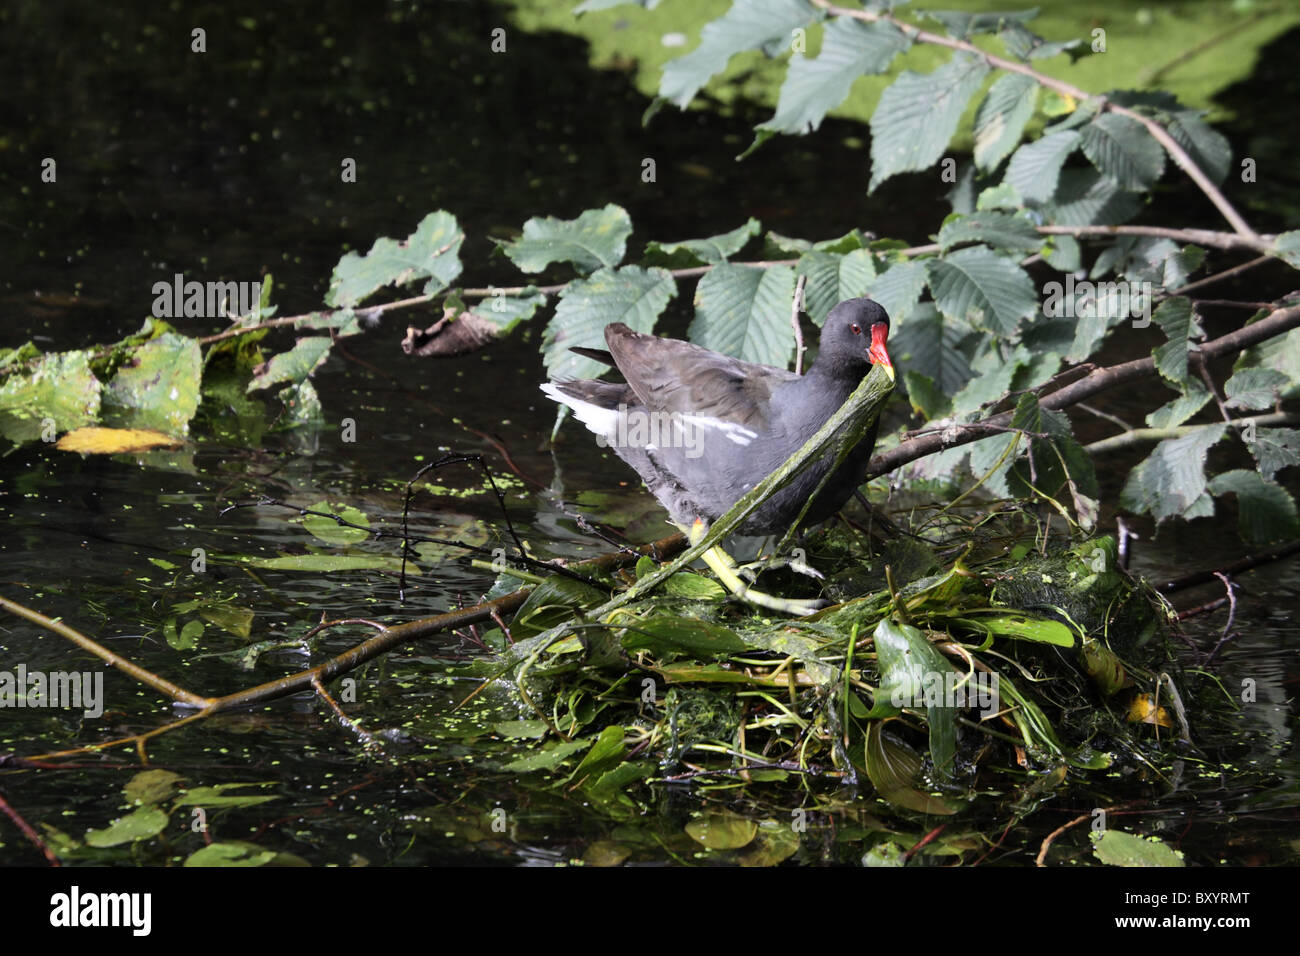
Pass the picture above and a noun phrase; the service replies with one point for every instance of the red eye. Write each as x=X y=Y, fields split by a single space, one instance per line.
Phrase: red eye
x=855 y=329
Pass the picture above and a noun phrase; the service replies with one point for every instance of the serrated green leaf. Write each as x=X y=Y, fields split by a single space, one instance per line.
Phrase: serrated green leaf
x=1181 y=408
x=596 y=238
x=507 y=311
x=927 y=345
x=157 y=388
x=1171 y=480
x=961 y=24
x=980 y=287
x=1275 y=449
x=745 y=312
x=1001 y=196
x=925 y=395
x=1255 y=388
x=60 y=387
x=1266 y=512
x=832 y=278
x=714 y=249
x=431 y=252
x=1287 y=248
x=748 y=25
x=850 y=49
x=1001 y=118
x=1177 y=320
x=1122 y=149
x=1035 y=168
x=1084 y=197
x=308 y=354
x=631 y=295
x=899 y=288
x=998 y=229
x=918 y=114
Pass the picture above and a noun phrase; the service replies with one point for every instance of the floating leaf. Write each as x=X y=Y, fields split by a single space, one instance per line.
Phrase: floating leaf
x=328 y=562
x=114 y=441
x=219 y=796
x=138 y=825
x=230 y=854
x=330 y=531
x=722 y=831
x=150 y=787
x=1116 y=848
x=529 y=729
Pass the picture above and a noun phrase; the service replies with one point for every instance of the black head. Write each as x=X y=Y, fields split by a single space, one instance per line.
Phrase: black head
x=853 y=339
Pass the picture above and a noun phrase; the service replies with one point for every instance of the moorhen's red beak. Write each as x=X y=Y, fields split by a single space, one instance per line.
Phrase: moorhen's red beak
x=877 y=353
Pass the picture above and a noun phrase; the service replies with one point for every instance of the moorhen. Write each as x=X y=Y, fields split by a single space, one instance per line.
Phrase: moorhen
x=702 y=428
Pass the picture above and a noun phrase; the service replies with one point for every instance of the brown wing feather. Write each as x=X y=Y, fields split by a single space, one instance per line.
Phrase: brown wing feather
x=674 y=376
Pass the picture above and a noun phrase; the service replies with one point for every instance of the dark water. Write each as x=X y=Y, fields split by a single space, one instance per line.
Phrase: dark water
x=226 y=166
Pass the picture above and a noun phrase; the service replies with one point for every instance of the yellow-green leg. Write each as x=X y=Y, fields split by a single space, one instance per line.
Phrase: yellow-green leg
x=722 y=565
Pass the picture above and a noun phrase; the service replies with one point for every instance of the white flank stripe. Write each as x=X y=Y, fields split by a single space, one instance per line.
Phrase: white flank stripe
x=602 y=421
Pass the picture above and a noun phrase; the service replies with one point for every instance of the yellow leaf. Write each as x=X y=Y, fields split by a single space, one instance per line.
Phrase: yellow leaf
x=115 y=441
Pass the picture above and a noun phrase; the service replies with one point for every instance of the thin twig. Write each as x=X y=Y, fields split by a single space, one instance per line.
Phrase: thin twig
x=795 y=308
